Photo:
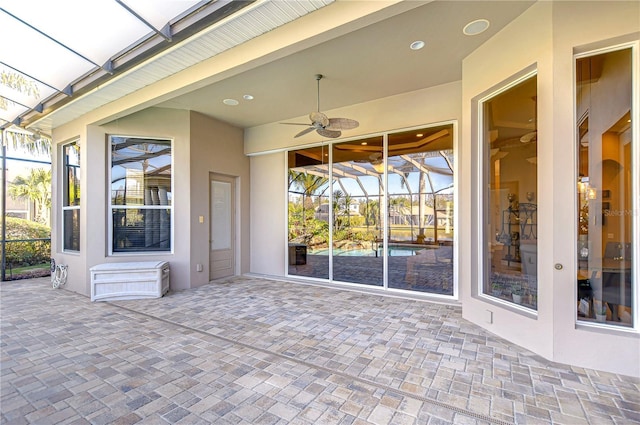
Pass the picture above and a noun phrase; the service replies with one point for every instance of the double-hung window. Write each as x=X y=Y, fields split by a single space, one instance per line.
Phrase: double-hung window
x=71 y=197
x=140 y=195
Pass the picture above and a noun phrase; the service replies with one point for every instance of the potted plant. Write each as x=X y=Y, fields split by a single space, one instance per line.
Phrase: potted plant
x=516 y=293
x=496 y=289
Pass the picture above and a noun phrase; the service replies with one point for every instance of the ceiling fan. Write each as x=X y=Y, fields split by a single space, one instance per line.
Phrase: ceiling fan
x=327 y=127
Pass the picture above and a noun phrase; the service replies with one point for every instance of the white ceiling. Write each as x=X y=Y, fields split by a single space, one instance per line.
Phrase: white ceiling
x=366 y=64
x=362 y=60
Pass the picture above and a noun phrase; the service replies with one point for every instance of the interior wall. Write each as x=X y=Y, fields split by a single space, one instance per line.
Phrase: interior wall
x=508 y=53
x=216 y=147
x=266 y=145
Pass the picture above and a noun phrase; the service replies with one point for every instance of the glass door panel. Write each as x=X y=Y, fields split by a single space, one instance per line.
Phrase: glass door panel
x=357 y=188
x=420 y=210
x=308 y=215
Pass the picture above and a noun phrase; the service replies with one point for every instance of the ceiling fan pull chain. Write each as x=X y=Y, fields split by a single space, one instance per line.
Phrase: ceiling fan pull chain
x=318 y=78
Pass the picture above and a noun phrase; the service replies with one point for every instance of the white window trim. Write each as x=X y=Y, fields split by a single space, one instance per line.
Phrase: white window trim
x=481 y=224
x=110 y=207
x=65 y=194
x=635 y=182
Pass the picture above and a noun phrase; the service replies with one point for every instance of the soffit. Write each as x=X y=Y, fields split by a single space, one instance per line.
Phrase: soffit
x=370 y=62
x=75 y=56
x=364 y=60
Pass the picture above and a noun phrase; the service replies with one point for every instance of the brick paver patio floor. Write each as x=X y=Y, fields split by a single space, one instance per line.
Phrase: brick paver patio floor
x=257 y=351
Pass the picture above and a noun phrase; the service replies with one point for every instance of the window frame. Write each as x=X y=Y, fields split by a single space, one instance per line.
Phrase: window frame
x=65 y=195
x=634 y=46
x=111 y=207
x=483 y=218
x=384 y=196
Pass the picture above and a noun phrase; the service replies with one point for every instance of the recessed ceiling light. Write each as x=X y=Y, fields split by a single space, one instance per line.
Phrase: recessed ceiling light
x=416 y=45
x=230 y=102
x=364 y=143
x=476 y=27
x=247 y=97
x=419 y=135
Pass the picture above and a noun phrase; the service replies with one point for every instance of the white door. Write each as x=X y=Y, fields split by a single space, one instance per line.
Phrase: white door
x=222 y=236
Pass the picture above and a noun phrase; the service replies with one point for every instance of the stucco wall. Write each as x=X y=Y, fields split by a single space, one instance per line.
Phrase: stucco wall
x=161 y=123
x=576 y=30
x=508 y=53
x=266 y=145
x=216 y=147
x=268 y=217
x=200 y=145
x=545 y=36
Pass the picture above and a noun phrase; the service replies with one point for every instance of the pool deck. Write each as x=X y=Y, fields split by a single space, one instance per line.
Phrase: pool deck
x=249 y=350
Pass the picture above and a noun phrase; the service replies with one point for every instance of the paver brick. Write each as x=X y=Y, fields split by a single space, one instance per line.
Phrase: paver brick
x=276 y=353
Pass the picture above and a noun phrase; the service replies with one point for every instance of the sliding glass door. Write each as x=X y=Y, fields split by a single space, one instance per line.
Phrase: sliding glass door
x=377 y=211
x=420 y=210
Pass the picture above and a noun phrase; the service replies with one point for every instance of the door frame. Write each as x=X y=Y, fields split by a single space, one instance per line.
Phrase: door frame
x=232 y=180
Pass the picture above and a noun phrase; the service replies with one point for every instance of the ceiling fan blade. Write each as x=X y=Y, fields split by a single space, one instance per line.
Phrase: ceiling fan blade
x=342 y=124
x=305 y=131
x=332 y=134
x=294 y=123
x=319 y=117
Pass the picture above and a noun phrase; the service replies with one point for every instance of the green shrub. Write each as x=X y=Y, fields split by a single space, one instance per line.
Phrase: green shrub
x=21 y=254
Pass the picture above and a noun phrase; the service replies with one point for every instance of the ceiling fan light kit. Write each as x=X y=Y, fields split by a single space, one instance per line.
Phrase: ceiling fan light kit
x=323 y=125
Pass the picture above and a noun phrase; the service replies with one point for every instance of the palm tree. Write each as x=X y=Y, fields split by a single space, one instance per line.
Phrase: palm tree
x=348 y=200
x=338 y=196
x=33 y=143
x=37 y=188
x=309 y=185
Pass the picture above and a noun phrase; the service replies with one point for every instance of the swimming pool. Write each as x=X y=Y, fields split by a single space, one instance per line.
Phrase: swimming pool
x=395 y=251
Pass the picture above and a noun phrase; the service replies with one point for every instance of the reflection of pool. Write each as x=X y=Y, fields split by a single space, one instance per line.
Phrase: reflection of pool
x=396 y=251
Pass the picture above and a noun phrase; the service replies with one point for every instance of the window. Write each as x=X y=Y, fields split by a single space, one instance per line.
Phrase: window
x=71 y=194
x=606 y=187
x=141 y=198
x=509 y=141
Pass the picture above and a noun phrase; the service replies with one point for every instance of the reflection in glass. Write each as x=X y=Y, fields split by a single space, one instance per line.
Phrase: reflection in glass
x=420 y=210
x=308 y=215
x=71 y=225
x=605 y=188
x=417 y=241
x=510 y=208
x=141 y=195
x=357 y=197
x=71 y=198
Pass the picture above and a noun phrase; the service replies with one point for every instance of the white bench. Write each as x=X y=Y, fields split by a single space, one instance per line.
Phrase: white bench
x=129 y=281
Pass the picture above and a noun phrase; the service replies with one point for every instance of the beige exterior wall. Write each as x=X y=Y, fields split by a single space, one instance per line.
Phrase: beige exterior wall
x=553 y=31
x=576 y=30
x=200 y=145
x=508 y=53
x=266 y=145
x=268 y=214
x=216 y=147
x=545 y=37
